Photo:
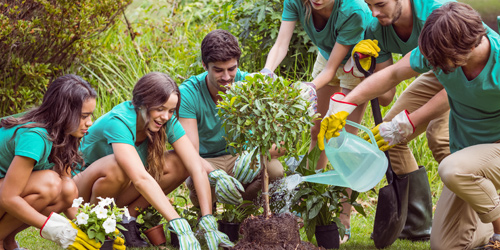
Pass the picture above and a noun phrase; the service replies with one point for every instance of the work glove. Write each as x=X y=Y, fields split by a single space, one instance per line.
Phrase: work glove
x=243 y=170
x=119 y=243
x=334 y=119
x=308 y=93
x=227 y=188
x=366 y=47
x=389 y=134
x=66 y=234
x=213 y=236
x=187 y=240
x=269 y=73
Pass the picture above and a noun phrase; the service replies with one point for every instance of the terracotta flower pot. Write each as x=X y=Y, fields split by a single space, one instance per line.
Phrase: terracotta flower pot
x=328 y=236
x=156 y=235
x=108 y=244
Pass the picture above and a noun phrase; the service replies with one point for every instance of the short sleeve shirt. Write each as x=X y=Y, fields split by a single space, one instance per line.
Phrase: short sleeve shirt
x=474 y=104
x=198 y=104
x=28 y=142
x=389 y=41
x=345 y=26
x=119 y=126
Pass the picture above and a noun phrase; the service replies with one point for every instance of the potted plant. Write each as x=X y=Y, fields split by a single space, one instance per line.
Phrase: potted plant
x=232 y=216
x=190 y=213
x=320 y=205
x=149 y=219
x=100 y=221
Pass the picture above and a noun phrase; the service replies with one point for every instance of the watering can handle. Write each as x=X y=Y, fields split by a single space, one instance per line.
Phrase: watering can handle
x=368 y=131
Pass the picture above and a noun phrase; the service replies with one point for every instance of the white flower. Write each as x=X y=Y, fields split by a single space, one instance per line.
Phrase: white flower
x=105 y=201
x=82 y=218
x=109 y=225
x=126 y=213
x=101 y=212
x=77 y=202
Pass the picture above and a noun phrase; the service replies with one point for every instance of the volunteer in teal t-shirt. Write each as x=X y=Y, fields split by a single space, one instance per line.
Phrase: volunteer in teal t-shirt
x=220 y=54
x=38 y=150
x=126 y=160
x=464 y=55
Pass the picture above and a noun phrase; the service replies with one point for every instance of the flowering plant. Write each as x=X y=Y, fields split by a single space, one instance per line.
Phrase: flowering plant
x=148 y=217
x=99 y=221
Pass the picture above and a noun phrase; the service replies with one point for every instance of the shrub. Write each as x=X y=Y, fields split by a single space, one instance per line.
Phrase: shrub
x=40 y=39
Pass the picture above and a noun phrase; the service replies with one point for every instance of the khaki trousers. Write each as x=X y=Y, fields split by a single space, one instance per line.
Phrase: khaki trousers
x=419 y=92
x=226 y=163
x=469 y=201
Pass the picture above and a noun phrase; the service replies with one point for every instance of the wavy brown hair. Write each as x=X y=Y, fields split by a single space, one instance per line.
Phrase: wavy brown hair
x=151 y=91
x=449 y=34
x=308 y=7
x=60 y=114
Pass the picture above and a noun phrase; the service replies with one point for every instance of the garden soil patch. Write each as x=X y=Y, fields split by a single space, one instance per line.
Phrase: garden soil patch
x=279 y=232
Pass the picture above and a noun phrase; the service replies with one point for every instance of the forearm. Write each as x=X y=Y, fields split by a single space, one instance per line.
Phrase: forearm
x=275 y=56
x=23 y=211
x=436 y=106
x=202 y=186
x=337 y=54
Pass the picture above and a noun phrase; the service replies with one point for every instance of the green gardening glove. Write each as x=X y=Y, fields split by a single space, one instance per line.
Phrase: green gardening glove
x=213 y=236
x=227 y=188
x=243 y=170
x=187 y=241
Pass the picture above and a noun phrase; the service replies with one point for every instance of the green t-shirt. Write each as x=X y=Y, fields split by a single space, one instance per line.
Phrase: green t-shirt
x=474 y=105
x=345 y=26
x=198 y=104
x=28 y=142
x=119 y=126
x=389 y=42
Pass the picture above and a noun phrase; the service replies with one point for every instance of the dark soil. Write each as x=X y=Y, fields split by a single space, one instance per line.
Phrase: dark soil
x=279 y=232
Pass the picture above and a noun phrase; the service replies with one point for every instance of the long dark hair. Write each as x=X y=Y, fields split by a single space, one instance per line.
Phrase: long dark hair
x=151 y=91
x=60 y=114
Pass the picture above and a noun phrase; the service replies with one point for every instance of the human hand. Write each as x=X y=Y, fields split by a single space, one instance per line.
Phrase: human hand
x=268 y=72
x=187 y=240
x=308 y=92
x=119 y=243
x=227 y=188
x=242 y=170
x=367 y=47
x=66 y=234
x=334 y=119
x=213 y=236
x=389 y=134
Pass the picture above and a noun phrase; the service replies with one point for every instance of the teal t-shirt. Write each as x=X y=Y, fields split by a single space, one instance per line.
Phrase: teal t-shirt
x=28 y=142
x=474 y=104
x=198 y=104
x=345 y=26
x=119 y=126
x=389 y=42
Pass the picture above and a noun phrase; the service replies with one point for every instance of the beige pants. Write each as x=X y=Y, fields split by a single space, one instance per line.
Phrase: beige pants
x=342 y=79
x=226 y=163
x=469 y=201
x=419 y=92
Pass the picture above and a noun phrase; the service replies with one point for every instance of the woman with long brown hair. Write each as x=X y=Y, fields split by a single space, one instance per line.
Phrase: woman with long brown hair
x=37 y=153
x=126 y=158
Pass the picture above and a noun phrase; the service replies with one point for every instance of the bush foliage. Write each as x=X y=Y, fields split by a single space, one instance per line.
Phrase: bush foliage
x=40 y=39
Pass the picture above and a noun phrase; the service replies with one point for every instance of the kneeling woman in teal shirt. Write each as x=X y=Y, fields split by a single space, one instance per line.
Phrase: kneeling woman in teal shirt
x=126 y=159
x=37 y=152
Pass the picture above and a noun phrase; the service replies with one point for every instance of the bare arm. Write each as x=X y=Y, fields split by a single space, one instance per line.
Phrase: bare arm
x=432 y=109
x=11 y=190
x=128 y=159
x=381 y=82
x=280 y=47
x=338 y=53
x=185 y=150
x=191 y=127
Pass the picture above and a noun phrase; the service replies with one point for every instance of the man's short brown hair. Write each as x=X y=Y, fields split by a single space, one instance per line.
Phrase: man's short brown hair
x=449 y=34
x=219 y=46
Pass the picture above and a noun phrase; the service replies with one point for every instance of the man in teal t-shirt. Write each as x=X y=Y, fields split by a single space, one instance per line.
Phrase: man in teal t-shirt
x=465 y=57
x=198 y=112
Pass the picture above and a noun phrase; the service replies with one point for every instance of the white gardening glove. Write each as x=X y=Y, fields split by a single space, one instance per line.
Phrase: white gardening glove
x=66 y=234
x=227 y=188
x=213 y=236
x=242 y=170
x=269 y=73
x=366 y=47
x=308 y=93
x=334 y=119
x=389 y=134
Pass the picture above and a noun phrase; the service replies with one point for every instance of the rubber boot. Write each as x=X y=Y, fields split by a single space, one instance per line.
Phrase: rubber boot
x=419 y=221
x=133 y=235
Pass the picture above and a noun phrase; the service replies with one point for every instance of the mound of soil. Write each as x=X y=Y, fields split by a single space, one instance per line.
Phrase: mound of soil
x=279 y=232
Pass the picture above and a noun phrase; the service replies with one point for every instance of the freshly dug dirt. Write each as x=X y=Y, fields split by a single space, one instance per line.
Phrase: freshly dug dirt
x=279 y=232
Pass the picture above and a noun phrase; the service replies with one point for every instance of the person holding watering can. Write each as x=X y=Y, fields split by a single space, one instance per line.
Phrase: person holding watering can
x=220 y=53
x=464 y=54
x=126 y=159
x=38 y=150
x=396 y=30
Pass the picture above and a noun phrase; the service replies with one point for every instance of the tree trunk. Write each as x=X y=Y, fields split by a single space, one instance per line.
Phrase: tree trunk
x=265 y=185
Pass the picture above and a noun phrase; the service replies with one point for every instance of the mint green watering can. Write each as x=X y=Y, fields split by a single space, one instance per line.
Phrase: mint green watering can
x=357 y=164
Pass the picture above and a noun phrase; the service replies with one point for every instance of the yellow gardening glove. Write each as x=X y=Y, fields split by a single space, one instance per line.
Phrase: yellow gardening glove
x=82 y=241
x=119 y=243
x=366 y=47
x=66 y=234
